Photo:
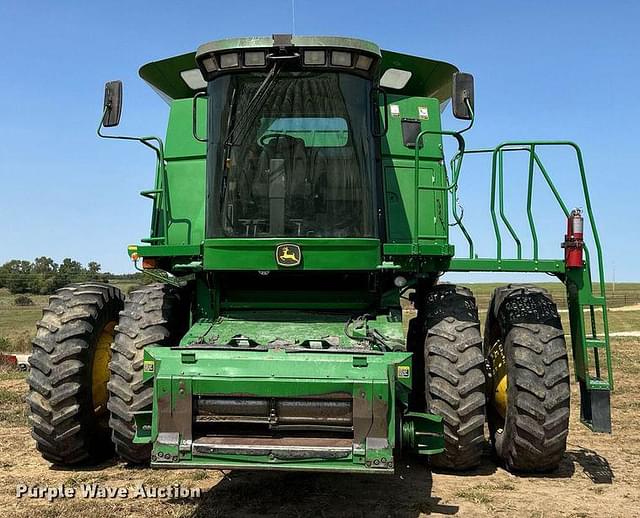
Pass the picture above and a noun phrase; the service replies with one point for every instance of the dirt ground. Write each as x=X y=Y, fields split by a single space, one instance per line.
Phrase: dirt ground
x=599 y=476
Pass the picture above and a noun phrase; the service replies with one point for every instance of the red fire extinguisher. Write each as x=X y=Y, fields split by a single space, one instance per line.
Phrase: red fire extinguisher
x=573 y=240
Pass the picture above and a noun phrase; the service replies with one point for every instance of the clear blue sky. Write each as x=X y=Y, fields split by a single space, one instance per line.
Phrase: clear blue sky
x=543 y=69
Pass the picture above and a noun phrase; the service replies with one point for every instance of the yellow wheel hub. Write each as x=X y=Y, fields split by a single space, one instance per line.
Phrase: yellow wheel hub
x=498 y=365
x=100 y=369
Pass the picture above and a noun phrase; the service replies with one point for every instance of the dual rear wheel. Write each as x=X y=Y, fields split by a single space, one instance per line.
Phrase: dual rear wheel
x=518 y=375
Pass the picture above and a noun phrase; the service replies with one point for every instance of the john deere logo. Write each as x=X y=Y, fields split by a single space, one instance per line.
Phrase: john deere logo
x=288 y=255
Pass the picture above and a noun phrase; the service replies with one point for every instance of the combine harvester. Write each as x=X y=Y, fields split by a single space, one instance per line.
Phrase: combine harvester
x=301 y=190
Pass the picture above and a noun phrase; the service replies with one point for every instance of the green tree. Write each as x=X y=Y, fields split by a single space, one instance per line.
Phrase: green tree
x=44 y=276
x=71 y=271
x=44 y=265
x=16 y=275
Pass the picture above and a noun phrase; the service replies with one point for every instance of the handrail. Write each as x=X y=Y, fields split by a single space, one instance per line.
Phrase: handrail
x=497 y=180
x=448 y=187
x=164 y=204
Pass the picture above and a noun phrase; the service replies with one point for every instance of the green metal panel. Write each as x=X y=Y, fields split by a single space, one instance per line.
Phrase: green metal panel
x=180 y=141
x=185 y=166
x=416 y=213
x=187 y=194
x=368 y=379
x=263 y=327
x=317 y=253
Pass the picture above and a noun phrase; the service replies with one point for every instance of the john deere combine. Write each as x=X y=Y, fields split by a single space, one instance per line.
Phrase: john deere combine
x=301 y=192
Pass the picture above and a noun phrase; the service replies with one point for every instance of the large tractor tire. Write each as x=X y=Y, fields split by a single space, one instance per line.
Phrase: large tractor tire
x=153 y=314
x=528 y=389
x=454 y=376
x=69 y=372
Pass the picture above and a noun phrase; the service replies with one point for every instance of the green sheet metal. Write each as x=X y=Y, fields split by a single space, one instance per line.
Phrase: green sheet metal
x=370 y=380
x=266 y=326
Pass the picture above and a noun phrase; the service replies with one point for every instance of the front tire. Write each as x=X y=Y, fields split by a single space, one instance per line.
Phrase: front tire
x=454 y=377
x=524 y=340
x=152 y=315
x=69 y=371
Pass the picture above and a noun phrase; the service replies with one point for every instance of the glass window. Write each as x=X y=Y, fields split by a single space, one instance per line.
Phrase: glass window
x=291 y=157
x=314 y=131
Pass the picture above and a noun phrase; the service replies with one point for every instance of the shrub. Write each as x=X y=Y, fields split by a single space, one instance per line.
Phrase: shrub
x=5 y=345
x=23 y=300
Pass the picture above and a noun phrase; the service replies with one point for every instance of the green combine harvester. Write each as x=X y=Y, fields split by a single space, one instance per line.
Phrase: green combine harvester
x=300 y=194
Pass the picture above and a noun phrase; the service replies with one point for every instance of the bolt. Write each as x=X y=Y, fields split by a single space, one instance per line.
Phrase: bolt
x=376 y=462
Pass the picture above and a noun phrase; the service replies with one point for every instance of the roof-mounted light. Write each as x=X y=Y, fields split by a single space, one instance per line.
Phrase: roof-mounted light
x=193 y=79
x=395 y=78
x=209 y=64
x=340 y=58
x=364 y=62
x=255 y=58
x=315 y=57
x=229 y=60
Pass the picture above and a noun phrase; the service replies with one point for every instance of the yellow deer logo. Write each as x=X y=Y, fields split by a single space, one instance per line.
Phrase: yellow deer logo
x=288 y=255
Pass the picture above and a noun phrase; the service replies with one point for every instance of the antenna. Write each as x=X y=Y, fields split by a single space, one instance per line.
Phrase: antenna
x=293 y=16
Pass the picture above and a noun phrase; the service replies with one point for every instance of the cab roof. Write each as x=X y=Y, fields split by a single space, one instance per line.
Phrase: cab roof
x=178 y=77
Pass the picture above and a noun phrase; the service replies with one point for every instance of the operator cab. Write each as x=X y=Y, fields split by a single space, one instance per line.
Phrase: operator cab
x=290 y=150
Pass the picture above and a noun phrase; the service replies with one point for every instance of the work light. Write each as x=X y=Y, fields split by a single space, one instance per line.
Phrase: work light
x=364 y=62
x=254 y=59
x=229 y=60
x=314 y=57
x=210 y=64
x=340 y=58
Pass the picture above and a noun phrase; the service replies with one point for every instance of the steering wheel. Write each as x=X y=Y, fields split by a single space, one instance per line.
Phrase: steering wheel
x=269 y=136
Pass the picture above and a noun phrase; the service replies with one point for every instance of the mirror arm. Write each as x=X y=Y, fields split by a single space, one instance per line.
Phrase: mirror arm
x=158 y=149
x=468 y=103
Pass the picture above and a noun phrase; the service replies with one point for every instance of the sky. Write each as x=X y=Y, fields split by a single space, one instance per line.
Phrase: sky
x=543 y=70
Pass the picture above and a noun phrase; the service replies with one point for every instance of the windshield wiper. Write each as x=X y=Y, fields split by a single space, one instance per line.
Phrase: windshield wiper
x=249 y=114
x=236 y=130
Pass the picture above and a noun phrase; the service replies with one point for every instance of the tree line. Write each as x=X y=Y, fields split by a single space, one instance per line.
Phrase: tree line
x=43 y=275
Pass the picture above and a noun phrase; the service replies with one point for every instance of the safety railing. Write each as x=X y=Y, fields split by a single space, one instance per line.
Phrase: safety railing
x=497 y=196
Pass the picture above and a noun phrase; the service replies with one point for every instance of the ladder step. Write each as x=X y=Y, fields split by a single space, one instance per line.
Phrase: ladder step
x=598 y=384
x=596 y=342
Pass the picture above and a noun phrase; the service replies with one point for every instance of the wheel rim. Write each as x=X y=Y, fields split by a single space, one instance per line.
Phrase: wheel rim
x=100 y=369
x=498 y=367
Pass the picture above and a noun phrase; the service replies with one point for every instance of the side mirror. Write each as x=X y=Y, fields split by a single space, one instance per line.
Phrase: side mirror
x=462 y=92
x=112 y=107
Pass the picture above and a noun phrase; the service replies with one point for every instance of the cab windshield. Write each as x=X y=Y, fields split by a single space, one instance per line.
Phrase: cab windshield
x=299 y=163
